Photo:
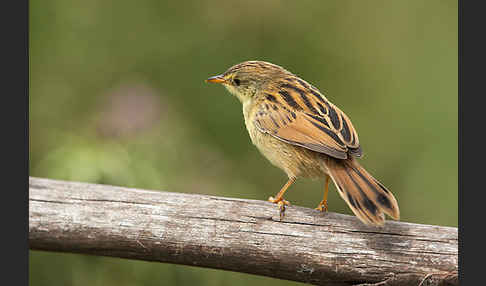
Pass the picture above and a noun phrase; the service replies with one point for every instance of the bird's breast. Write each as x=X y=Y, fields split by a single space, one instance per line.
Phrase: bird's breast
x=294 y=160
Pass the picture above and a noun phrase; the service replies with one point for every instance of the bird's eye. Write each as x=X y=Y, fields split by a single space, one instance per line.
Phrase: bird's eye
x=236 y=81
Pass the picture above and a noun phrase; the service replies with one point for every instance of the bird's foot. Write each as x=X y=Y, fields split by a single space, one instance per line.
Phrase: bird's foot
x=322 y=206
x=281 y=205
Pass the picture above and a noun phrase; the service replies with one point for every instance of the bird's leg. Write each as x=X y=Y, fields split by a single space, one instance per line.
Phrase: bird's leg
x=279 y=198
x=322 y=206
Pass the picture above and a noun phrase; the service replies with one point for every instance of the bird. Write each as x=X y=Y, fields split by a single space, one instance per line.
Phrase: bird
x=300 y=131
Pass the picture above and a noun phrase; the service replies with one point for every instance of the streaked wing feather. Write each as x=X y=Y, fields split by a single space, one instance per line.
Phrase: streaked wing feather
x=298 y=131
x=297 y=113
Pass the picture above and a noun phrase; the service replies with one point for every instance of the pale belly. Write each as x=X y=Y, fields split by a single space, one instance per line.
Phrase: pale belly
x=294 y=160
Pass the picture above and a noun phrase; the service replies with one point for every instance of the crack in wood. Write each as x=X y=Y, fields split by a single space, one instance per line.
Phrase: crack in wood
x=271 y=233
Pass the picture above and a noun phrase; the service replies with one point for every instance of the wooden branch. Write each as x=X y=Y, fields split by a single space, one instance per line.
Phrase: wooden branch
x=238 y=235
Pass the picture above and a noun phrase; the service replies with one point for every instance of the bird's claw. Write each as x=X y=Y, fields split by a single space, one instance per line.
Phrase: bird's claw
x=281 y=205
x=322 y=207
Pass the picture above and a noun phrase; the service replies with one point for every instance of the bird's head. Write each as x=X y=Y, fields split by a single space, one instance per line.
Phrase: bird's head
x=247 y=79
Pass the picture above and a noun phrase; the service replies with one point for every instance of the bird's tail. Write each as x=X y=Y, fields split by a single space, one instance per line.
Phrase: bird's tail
x=367 y=198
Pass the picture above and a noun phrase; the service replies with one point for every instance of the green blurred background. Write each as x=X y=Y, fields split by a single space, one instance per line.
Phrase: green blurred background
x=117 y=96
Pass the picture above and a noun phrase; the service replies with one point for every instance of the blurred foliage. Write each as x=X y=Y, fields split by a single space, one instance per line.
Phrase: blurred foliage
x=117 y=96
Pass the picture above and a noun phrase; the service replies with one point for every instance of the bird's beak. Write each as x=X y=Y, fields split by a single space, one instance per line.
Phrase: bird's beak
x=216 y=79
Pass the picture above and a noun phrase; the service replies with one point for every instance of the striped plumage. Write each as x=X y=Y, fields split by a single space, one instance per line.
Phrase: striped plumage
x=300 y=131
x=296 y=105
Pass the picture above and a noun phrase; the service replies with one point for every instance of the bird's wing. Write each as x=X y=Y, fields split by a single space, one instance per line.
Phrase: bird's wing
x=297 y=113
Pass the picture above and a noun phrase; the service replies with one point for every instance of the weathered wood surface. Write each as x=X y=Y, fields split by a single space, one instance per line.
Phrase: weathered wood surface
x=238 y=235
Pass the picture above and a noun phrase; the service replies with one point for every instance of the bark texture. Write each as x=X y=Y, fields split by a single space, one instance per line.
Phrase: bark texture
x=237 y=235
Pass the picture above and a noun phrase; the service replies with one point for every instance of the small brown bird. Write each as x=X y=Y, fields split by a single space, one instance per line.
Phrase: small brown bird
x=298 y=130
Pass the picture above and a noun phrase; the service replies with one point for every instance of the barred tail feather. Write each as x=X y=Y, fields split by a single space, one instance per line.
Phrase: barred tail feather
x=367 y=198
